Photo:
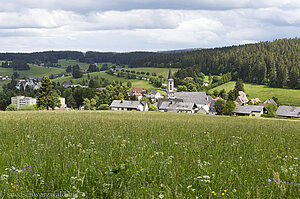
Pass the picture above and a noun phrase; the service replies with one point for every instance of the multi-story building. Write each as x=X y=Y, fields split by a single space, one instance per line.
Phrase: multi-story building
x=20 y=101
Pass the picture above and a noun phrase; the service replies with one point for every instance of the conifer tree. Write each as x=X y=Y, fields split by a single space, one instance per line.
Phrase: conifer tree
x=47 y=98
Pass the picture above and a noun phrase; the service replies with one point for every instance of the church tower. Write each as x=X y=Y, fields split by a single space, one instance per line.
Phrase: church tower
x=170 y=84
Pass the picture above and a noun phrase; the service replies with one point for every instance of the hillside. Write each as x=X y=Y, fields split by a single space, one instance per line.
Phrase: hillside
x=273 y=63
x=144 y=155
x=290 y=97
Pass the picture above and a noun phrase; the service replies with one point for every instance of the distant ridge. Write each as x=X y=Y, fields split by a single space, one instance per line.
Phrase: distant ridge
x=180 y=50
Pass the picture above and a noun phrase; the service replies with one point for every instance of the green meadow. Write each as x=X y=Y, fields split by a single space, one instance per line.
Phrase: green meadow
x=135 y=82
x=36 y=71
x=289 y=97
x=159 y=71
x=95 y=154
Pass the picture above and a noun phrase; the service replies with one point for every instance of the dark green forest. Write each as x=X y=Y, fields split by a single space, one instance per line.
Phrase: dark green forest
x=51 y=57
x=273 y=63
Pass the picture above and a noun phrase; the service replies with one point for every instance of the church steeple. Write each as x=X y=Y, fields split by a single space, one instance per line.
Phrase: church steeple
x=170 y=84
x=170 y=74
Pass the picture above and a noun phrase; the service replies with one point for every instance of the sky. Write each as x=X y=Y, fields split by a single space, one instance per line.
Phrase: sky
x=143 y=25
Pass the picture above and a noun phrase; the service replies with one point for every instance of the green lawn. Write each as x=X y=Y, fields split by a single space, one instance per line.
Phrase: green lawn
x=285 y=96
x=147 y=155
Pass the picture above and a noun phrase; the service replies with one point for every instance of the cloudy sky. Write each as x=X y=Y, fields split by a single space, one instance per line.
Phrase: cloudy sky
x=130 y=25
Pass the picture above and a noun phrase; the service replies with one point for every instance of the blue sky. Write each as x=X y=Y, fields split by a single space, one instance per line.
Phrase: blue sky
x=151 y=25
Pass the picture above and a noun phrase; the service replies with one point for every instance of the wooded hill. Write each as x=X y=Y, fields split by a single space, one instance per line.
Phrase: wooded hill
x=88 y=57
x=271 y=63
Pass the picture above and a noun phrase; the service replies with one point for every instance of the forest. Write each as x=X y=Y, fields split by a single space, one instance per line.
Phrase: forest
x=50 y=58
x=275 y=63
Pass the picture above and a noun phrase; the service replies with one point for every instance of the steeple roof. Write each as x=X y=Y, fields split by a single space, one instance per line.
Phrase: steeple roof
x=170 y=74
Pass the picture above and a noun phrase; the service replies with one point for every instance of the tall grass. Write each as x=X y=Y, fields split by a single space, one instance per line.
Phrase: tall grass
x=148 y=155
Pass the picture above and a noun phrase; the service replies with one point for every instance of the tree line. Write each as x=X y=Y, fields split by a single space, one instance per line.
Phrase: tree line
x=50 y=58
x=275 y=64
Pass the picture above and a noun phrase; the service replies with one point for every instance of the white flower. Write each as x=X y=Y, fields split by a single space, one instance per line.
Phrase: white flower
x=161 y=196
x=233 y=190
x=83 y=194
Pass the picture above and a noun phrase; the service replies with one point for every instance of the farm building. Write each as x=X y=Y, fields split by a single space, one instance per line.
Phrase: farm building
x=178 y=107
x=249 y=110
x=129 y=105
x=288 y=111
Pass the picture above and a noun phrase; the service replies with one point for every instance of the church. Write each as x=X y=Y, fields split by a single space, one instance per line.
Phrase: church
x=189 y=102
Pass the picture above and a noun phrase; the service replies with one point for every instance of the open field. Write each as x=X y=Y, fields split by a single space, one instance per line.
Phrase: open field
x=65 y=63
x=285 y=96
x=148 y=155
x=135 y=82
x=159 y=71
x=37 y=71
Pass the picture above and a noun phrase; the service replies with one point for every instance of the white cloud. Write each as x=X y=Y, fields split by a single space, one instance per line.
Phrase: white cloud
x=30 y=25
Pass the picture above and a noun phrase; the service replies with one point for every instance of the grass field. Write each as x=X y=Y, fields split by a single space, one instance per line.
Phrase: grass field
x=65 y=63
x=135 y=82
x=159 y=71
x=37 y=71
x=285 y=96
x=148 y=155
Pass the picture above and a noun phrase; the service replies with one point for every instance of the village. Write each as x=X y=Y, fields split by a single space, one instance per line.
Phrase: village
x=178 y=102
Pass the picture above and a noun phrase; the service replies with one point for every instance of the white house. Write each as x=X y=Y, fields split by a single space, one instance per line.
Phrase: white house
x=129 y=105
x=154 y=96
x=178 y=107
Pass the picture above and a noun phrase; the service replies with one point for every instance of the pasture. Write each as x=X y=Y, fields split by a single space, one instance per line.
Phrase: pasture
x=290 y=97
x=36 y=71
x=159 y=71
x=135 y=82
x=148 y=155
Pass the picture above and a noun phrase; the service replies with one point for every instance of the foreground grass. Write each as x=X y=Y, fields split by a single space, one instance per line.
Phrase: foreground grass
x=148 y=155
x=286 y=96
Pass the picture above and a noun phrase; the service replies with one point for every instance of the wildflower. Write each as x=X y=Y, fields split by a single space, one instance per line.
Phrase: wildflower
x=234 y=190
x=223 y=194
x=161 y=196
x=213 y=192
x=225 y=190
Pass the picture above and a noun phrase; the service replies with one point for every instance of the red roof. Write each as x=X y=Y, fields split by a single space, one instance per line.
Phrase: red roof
x=137 y=90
